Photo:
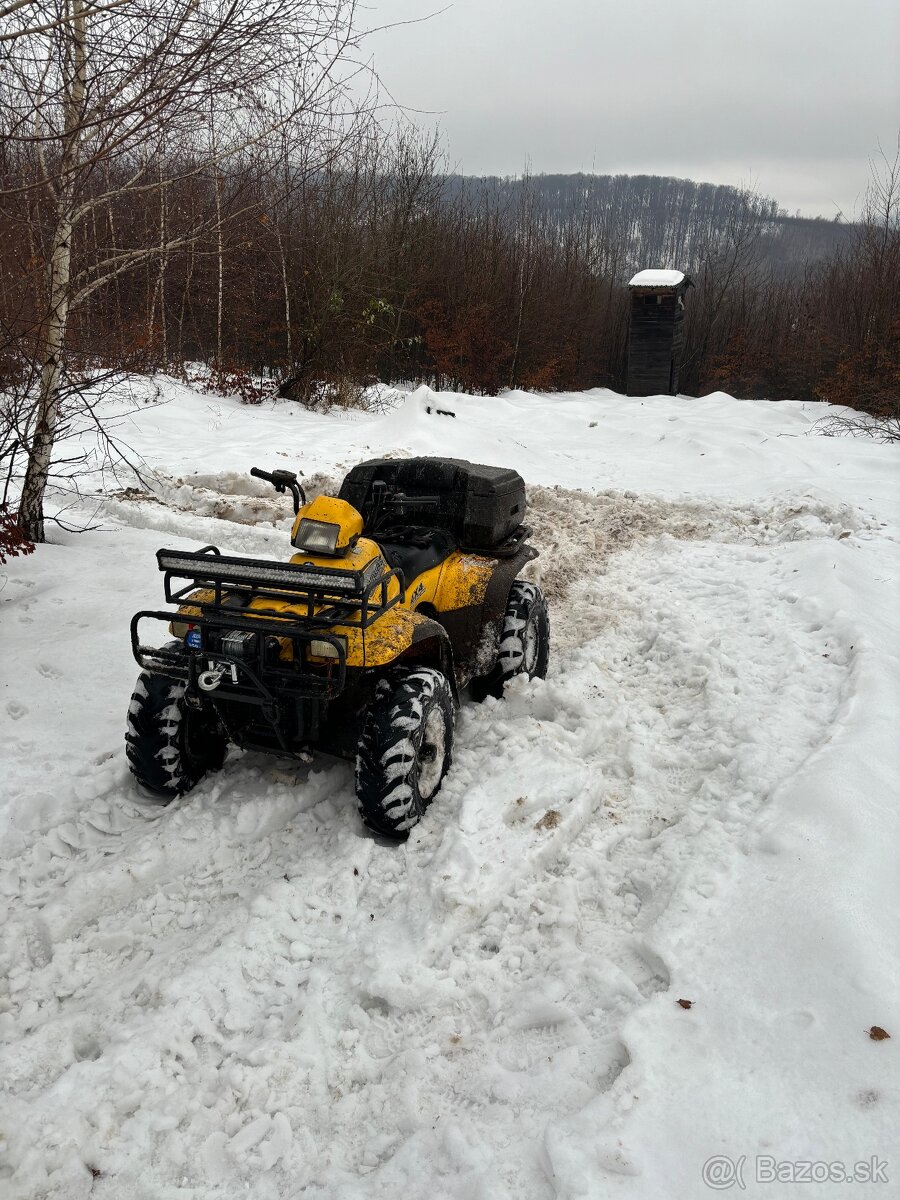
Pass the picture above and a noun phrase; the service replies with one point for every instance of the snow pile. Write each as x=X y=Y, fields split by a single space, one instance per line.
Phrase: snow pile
x=578 y=532
x=247 y=994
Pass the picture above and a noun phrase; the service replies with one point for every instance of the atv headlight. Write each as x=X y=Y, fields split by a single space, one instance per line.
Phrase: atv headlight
x=323 y=649
x=317 y=537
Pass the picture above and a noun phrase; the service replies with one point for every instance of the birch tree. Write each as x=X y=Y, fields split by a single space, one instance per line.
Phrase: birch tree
x=101 y=98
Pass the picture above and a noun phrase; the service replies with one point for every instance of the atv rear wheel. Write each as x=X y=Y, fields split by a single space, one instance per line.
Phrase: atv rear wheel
x=170 y=747
x=524 y=641
x=404 y=749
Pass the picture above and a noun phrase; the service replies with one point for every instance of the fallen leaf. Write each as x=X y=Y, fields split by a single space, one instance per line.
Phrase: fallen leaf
x=684 y=1003
x=549 y=820
x=877 y=1034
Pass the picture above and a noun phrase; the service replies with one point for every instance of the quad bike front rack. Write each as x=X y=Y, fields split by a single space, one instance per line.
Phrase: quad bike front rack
x=330 y=597
x=333 y=596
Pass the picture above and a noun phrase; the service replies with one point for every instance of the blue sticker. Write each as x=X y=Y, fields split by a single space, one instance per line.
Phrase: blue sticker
x=192 y=639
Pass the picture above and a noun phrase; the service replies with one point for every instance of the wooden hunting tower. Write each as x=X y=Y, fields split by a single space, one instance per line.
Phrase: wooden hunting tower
x=656 y=332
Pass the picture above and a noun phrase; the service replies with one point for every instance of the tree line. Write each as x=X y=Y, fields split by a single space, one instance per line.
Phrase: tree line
x=207 y=183
x=661 y=219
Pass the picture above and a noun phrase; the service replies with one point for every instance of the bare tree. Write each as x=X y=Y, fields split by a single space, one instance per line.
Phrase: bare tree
x=103 y=104
x=729 y=262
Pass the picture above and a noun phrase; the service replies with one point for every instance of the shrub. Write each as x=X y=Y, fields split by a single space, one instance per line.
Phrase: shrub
x=12 y=541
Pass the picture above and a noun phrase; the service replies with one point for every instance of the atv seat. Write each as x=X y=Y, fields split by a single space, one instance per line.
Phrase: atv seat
x=413 y=550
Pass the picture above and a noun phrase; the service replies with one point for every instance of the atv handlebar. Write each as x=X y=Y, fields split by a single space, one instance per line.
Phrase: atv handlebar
x=281 y=481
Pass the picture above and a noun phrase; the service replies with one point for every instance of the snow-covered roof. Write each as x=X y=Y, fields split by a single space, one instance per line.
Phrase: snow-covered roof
x=652 y=278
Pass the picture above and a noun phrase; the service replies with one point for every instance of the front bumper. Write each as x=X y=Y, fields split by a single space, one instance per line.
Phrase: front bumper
x=264 y=677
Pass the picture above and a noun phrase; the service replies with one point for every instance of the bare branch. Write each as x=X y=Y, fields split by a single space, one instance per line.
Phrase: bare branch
x=57 y=23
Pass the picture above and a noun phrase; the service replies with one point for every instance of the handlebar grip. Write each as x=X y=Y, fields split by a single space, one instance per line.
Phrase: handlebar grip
x=281 y=481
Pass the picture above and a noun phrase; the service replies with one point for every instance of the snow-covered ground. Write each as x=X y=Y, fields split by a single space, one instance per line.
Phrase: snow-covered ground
x=247 y=995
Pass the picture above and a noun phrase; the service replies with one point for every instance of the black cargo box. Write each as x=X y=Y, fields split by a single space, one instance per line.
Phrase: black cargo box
x=481 y=506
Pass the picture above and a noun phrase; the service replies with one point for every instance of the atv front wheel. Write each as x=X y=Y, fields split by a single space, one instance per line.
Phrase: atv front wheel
x=524 y=641
x=404 y=749
x=170 y=747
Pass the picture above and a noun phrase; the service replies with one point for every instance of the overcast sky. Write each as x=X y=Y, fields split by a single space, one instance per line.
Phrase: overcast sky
x=792 y=95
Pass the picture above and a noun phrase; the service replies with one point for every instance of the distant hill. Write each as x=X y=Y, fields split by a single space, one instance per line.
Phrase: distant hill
x=637 y=221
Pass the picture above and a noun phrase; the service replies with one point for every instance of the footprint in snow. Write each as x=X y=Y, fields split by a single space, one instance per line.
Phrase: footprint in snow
x=38 y=943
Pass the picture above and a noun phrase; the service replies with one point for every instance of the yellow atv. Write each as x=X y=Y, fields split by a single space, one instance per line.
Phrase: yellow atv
x=402 y=591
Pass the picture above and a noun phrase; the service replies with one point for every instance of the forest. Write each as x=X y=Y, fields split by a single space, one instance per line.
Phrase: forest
x=188 y=188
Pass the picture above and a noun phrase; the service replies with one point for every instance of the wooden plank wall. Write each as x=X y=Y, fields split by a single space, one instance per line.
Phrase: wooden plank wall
x=655 y=341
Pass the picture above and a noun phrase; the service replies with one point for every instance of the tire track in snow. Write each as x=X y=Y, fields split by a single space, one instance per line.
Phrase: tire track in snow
x=723 y=682
x=430 y=1016
x=176 y=883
